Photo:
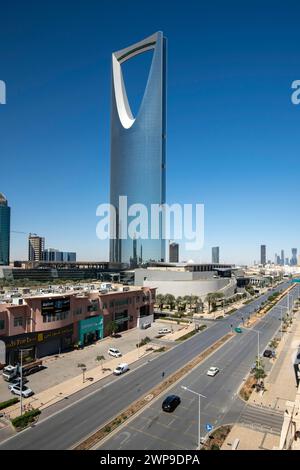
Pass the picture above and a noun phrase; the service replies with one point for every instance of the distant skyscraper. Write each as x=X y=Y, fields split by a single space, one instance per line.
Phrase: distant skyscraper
x=174 y=252
x=278 y=260
x=138 y=144
x=4 y=230
x=287 y=261
x=263 y=254
x=282 y=258
x=294 y=258
x=36 y=247
x=215 y=254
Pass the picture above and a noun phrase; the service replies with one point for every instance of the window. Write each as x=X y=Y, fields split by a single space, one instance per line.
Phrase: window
x=78 y=311
x=50 y=317
x=2 y=324
x=18 y=321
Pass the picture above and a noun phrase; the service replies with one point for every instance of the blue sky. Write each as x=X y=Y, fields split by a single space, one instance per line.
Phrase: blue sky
x=233 y=133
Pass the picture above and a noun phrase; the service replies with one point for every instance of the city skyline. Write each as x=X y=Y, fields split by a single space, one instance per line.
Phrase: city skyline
x=207 y=126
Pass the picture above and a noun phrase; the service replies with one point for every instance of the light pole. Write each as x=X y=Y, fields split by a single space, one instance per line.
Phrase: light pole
x=281 y=307
x=21 y=379
x=199 y=410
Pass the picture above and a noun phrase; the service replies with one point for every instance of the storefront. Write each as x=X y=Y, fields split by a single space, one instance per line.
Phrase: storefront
x=38 y=344
x=90 y=330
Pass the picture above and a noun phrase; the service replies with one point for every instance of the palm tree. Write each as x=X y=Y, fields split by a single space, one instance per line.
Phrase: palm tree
x=112 y=327
x=100 y=359
x=178 y=302
x=160 y=300
x=170 y=300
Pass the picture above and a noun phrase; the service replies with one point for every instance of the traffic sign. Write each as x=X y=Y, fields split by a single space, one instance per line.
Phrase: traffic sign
x=208 y=427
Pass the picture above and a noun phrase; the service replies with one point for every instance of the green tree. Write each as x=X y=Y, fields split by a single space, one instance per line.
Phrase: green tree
x=100 y=359
x=160 y=300
x=112 y=328
x=170 y=300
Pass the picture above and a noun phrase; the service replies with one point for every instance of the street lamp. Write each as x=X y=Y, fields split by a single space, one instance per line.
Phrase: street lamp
x=281 y=307
x=21 y=379
x=199 y=407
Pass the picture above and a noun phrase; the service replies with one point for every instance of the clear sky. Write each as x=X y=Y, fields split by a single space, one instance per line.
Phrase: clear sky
x=233 y=133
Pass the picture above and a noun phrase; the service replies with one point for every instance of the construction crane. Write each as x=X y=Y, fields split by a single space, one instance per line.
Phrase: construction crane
x=16 y=231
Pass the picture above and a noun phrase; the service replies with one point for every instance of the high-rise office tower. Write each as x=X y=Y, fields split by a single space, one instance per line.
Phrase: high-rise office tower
x=173 y=252
x=263 y=254
x=215 y=254
x=138 y=143
x=294 y=258
x=4 y=230
x=36 y=247
x=282 y=258
x=278 y=261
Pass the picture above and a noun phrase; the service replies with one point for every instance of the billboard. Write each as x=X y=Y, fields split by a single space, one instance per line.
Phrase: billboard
x=57 y=305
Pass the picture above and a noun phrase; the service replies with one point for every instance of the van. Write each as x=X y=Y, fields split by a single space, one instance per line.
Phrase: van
x=121 y=369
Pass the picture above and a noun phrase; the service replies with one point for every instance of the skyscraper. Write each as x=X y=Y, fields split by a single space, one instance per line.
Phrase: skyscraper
x=36 y=247
x=263 y=254
x=215 y=254
x=294 y=258
x=282 y=258
x=4 y=230
x=138 y=164
x=173 y=252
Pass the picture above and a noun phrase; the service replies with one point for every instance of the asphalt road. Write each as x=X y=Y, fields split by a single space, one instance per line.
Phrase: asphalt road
x=154 y=429
x=72 y=424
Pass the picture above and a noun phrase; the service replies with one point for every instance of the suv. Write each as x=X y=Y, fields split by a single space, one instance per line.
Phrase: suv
x=170 y=403
x=114 y=352
x=268 y=353
x=26 y=391
x=145 y=325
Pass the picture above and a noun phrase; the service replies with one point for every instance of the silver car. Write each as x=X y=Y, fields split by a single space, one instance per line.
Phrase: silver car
x=26 y=391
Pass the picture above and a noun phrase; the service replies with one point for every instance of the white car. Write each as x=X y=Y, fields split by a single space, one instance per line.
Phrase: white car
x=114 y=352
x=212 y=371
x=26 y=391
x=121 y=369
x=164 y=331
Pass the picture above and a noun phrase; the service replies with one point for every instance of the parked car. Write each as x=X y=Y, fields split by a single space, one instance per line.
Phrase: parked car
x=114 y=352
x=212 y=371
x=121 y=369
x=26 y=391
x=238 y=330
x=164 y=331
x=170 y=403
x=146 y=325
x=268 y=353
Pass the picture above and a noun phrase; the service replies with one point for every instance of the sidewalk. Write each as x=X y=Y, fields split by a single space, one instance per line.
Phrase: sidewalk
x=250 y=439
x=71 y=386
x=65 y=389
x=280 y=384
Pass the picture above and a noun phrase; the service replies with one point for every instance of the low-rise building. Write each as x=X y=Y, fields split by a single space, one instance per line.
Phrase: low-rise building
x=49 y=323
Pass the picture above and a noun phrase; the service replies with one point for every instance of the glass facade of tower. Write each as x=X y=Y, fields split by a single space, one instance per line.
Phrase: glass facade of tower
x=138 y=144
x=4 y=231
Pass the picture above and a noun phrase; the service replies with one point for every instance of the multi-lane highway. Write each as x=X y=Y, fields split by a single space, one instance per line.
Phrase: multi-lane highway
x=73 y=423
x=155 y=429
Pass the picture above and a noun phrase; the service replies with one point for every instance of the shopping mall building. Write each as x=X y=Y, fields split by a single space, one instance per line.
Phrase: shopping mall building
x=45 y=324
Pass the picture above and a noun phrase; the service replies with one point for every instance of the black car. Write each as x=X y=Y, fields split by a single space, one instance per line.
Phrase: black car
x=170 y=403
x=268 y=353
